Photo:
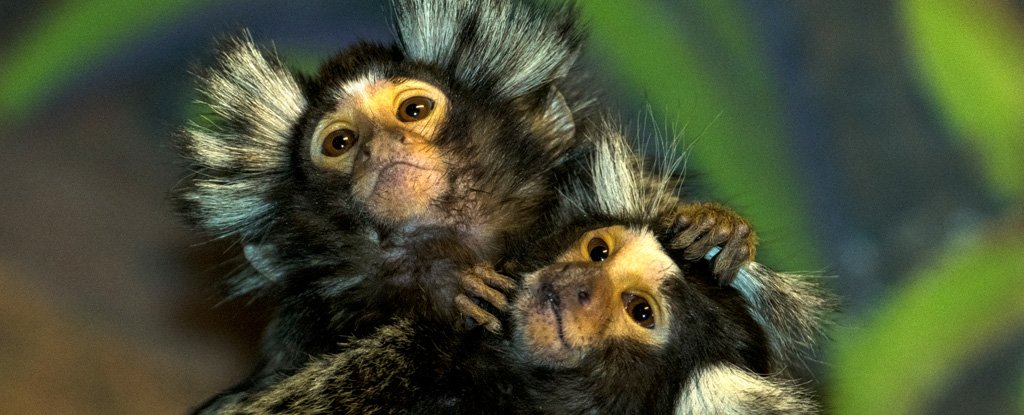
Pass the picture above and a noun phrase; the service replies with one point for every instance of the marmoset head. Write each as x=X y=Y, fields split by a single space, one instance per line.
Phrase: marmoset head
x=617 y=314
x=456 y=127
x=383 y=135
x=607 y=287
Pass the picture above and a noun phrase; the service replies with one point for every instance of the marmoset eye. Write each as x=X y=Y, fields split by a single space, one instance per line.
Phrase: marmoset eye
x=639 y=309
x=338 y=142
x=598 y=249
x=415 y=109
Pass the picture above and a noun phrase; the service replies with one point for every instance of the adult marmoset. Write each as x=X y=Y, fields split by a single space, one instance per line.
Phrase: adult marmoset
x=617 y=320
x=387 y=184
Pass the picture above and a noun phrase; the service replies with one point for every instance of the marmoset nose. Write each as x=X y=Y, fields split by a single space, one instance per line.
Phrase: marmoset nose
x=581 y=288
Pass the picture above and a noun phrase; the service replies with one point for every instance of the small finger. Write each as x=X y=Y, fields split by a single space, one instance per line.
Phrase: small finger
x=728 y=263
x=477 y=288
x=691 y=235
x=732 y=251
x=472 y=310
x=683 y=221
x=700 y=247
x=495 y=280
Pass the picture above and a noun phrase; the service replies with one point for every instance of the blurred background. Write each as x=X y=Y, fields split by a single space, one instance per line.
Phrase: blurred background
x=877 y=142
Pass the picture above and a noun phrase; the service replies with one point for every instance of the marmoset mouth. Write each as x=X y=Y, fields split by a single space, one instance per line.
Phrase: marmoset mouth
x=397 y=189
x=400 y=164
x=551 y=300
x=403 y=174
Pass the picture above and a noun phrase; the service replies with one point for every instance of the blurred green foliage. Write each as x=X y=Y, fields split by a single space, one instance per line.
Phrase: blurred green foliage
x=72 y=40
x=970 y=57
x=951 y=313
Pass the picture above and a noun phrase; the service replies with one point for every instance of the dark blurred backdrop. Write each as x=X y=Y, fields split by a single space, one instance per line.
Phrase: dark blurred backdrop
x=843 y=129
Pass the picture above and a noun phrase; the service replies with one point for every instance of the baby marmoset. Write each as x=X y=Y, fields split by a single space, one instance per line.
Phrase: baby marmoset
x=617 y=320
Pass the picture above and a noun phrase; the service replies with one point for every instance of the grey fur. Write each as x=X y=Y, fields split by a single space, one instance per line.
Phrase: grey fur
x=237 y=160
x=621 y=183
x=370 y=367
x=791 y=308
x=509 y=46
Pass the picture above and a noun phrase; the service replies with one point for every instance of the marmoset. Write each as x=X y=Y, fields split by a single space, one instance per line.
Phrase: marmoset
x=613 y=320
x=388 y=184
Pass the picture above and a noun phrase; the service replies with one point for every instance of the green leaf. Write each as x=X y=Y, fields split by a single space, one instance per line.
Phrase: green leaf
x=952 y=312
x=970 y=55
x=1021 y=402
x=73 y=39
x=741 y=153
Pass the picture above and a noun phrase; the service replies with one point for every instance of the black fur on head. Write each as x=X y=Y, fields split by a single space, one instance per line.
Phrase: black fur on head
x=503 y=63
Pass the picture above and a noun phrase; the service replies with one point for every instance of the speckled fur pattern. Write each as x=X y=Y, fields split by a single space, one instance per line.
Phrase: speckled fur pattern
x=728 y=390
x=240 y=151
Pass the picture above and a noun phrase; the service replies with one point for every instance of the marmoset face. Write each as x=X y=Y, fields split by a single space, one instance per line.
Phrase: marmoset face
x=606 y=286
x=383 y=134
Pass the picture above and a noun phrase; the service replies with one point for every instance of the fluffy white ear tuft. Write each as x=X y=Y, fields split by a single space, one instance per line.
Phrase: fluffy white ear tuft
x=726 y=390
x=510 y=47
x=243 y=152
x=791 y=308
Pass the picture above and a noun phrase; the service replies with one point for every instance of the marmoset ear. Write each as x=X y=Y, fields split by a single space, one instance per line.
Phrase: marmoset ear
x=550 y=119
x=238 y=159
x=791 y=308
x=497 y=46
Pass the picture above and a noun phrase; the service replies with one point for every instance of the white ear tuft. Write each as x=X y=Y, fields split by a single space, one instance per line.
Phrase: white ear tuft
x=255 y=103
x=791 y=308
x=511 y=47
x=726 y=390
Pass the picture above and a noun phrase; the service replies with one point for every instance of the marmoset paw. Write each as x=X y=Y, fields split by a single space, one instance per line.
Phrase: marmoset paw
x=716 y=233
x=483 y=288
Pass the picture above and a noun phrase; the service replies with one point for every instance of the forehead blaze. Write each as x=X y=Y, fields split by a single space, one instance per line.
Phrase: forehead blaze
x=633 y=254
x=381 y=101
x=369 y=108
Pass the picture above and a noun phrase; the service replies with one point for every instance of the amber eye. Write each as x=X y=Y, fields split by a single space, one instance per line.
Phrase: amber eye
x=338 y=142
x=639 y=309
x=598 y=249
x=415 y=109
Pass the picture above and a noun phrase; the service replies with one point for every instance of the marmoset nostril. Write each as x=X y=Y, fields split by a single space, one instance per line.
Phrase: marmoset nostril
x=584 y=297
